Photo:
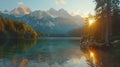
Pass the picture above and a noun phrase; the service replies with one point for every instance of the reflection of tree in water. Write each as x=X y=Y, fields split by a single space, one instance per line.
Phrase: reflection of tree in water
x=23 y=52
x=15 y=46
x=103 y=57
x=50 y=59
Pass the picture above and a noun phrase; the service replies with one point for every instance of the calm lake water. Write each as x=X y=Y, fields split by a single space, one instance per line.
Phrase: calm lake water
x=46 y=52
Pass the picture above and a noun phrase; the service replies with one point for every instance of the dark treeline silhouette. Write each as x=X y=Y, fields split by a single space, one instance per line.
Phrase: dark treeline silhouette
x=104 y=51
x=107 y=20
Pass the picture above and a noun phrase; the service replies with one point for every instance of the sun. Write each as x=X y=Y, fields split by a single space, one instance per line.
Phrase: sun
x=91 y=54
x=91 y=21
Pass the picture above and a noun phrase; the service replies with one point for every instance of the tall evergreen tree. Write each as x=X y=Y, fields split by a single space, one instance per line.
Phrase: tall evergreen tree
x=104 y=13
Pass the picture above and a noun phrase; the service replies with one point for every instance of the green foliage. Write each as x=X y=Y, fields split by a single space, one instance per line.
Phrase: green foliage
x=113 y=38
x=107 y=13
x=15 y=29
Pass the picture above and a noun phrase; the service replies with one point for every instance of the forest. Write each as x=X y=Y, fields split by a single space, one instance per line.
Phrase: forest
x=107 y=21
x=10 y=29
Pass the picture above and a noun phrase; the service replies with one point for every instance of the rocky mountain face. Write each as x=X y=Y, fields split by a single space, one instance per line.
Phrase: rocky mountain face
x=49 y=22
x=20 y=11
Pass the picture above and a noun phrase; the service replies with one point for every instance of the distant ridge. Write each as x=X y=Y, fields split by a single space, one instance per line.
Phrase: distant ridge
x=58 y=22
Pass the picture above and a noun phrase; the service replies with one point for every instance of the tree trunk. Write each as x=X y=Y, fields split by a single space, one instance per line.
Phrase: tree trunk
x=108 y=22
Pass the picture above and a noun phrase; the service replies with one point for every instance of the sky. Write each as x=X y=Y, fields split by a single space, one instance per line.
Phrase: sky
x=81 y=7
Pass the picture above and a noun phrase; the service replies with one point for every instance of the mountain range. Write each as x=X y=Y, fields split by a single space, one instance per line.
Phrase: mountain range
x=55 y=22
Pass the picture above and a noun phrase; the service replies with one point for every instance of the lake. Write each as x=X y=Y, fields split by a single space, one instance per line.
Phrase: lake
x=46 y=52
x=49 y=52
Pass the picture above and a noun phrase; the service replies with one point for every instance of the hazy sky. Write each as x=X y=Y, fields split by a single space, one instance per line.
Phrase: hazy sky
x=82 y=7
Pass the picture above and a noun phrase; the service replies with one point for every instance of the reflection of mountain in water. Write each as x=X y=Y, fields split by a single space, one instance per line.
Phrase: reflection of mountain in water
x=45 y=53
x=55 y=53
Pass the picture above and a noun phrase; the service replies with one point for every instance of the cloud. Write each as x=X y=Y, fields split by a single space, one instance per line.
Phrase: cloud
x=63 y=1
x=85 y=14
x=20 y=3
x=60 y=2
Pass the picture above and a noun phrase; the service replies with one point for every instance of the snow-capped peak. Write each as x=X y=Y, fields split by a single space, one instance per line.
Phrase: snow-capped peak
x=5 y=12
x=22 y=10
x=62 y=10
x=59 y=13
x=63 y=13
x=52 y=10
x=39 y=14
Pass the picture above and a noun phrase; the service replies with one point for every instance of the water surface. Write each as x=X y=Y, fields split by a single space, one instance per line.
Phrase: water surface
x=46 y=52
x=55 y=52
